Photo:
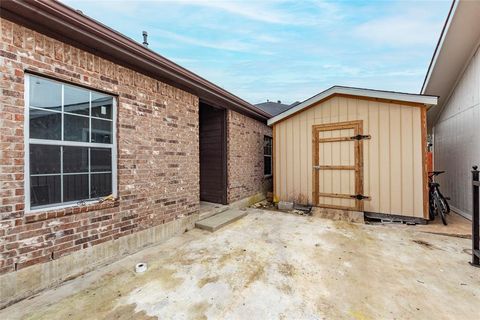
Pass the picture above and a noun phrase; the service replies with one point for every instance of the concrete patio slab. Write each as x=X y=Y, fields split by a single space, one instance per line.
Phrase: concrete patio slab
x=458 y=226
x=271 y=265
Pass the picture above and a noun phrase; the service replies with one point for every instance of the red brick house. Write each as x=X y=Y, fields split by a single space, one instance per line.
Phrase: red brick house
x=106 y=146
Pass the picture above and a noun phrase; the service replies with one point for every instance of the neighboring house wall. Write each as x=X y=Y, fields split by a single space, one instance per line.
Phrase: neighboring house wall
x=457 y=136
x=393 y=173
x=158 y=166
x=245 y=156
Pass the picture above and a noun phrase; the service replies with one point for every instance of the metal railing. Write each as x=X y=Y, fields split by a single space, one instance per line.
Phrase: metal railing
x=475 y=218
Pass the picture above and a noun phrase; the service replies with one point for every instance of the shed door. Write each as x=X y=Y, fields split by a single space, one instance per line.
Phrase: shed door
x=338 y=165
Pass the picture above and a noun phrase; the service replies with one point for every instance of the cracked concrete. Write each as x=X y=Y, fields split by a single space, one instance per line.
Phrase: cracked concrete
x=271 y=265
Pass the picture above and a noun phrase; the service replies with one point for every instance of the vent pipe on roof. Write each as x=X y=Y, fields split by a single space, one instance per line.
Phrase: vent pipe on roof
x=145 y=35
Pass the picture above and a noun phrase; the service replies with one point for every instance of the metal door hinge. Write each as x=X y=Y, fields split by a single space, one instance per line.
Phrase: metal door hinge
x=360 y=197
x=361 y=137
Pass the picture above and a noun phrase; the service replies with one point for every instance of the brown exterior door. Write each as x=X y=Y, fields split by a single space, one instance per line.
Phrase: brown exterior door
x=338 y=165
x=213 y=168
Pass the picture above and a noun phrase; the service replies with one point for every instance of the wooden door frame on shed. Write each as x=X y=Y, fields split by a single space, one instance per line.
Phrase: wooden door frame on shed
x=423 y=124
x=357 y=126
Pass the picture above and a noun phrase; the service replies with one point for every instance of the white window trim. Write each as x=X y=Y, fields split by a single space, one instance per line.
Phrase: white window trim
x=27 y=142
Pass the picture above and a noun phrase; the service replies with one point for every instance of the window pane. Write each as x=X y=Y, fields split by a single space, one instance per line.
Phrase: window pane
x=75 y=159
x=267 y=168
x=102 y=105
x=101 y=159
x=101 y=131
x=76 y=100
x=44 y=159
x=267 y=145
x=44 y=190
x=45 y=94
x=76 y=128
x=75 y=187
x=45 y=125
x=101 y=184
x=266 y=150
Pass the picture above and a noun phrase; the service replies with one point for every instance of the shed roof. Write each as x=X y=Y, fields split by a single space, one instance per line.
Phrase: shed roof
x=358 y=92
x=458 y=42
x=63 y=23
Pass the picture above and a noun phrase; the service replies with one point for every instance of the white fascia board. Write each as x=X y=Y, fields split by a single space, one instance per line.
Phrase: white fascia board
x=439 y=47
x=369 y=93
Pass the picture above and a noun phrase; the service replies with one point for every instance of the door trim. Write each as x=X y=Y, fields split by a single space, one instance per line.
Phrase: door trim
x=357 y=126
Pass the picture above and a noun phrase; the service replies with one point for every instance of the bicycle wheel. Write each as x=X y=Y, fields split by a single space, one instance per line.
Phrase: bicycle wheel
x=440 y=209
x=431 y=208
x=444 y=202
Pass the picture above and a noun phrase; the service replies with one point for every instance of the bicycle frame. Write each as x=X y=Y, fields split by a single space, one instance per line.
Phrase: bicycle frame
x=437 y=202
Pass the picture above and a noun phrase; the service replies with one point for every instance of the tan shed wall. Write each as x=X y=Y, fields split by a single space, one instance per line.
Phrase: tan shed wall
x=393 y=158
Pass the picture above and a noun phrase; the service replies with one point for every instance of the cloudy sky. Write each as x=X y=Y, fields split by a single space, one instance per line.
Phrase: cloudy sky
x=285 y=50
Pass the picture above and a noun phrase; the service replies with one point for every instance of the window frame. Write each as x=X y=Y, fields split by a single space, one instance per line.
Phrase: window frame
x=268 y=155
x=65 y=143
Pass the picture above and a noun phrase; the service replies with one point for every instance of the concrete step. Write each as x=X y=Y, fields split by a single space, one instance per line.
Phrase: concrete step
x=211 y=210
x=220 y=220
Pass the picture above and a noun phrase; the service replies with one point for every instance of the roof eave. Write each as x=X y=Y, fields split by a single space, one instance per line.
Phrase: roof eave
x=444 y=31
x=458 y=43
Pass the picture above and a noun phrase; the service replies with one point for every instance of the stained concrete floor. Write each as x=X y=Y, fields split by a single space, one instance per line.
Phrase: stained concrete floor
x=272 y=265
x=458 y=226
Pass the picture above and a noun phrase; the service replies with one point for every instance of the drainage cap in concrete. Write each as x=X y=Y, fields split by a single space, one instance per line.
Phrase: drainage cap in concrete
x=140 y=267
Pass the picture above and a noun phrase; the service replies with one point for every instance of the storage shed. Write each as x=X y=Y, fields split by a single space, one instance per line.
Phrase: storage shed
x=354 y=149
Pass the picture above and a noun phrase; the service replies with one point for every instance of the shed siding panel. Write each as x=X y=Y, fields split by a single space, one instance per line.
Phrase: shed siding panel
x=289 y=158
x=417 y=161
x=407 y=159
x=455 y=134
x=384 y=165
x=308 y=143
x=392 y=158
x=395 y=158
x=304 y=160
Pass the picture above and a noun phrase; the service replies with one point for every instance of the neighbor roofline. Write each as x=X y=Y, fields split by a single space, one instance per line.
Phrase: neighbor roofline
x=439 y=45
x=65 y=24
x=394 y=96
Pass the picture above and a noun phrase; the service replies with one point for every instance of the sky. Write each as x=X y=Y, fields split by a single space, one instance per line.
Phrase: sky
x=285 y=50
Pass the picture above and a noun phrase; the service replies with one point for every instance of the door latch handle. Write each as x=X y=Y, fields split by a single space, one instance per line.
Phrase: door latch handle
x=316 y=167
x=359 y=197
x=359 y=137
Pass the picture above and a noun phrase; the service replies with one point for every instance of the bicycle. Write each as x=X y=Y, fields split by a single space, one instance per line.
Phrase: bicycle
x=438 y=204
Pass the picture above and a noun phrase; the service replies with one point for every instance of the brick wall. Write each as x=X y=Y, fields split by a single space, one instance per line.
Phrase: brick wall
x=245 y=156
x=158 y=170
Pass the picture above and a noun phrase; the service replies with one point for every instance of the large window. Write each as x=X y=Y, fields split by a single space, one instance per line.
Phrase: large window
x=267 y=155
x=70 y=144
